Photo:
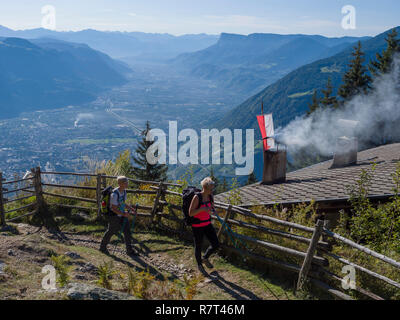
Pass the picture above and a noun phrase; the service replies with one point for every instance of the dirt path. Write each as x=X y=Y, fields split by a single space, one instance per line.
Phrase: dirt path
x=164 y=257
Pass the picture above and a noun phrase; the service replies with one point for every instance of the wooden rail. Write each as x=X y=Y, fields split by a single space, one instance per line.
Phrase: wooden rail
x=135 y=191
x=19 y=189
x=367 y=271
x=274 y=232
x=314 y=245
x=16 y=181
x=108 y=177
x=313 y=260
x=17 y=199
x=22 y=216
x=69 y=197
x=362 y=248
x=68 y=186
x=20 y=208
x=358 y=289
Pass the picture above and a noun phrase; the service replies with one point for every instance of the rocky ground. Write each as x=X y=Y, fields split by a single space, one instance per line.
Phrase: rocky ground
x=27 y=249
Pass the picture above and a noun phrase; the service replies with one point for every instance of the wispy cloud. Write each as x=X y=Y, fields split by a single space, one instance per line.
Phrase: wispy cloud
x=140 y=16
x=242 y=21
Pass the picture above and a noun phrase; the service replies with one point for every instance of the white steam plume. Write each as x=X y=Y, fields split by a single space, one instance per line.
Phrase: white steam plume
x=83 y=116
x=377 y=112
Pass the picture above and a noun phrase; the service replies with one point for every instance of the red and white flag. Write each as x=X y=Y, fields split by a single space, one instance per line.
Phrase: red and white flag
x=266 y=125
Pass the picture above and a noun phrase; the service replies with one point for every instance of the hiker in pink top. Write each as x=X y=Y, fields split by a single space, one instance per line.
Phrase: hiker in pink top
x=201 y=207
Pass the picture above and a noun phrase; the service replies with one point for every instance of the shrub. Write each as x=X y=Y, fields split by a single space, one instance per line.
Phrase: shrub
x=61 y=265
x=105 y=273
x=138 y=283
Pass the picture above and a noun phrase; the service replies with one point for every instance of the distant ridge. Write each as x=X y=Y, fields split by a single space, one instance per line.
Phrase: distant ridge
x=47 y=73
x=289 y=96
x=132 y=46
x=249 y=63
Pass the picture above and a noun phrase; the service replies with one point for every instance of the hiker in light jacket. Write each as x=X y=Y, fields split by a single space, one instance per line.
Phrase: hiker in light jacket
x=119 y=218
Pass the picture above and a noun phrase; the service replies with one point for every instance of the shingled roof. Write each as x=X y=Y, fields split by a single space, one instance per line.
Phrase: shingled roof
x=321 y=183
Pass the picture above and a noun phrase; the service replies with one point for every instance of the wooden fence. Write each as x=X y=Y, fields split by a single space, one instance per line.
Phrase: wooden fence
x=313 y=263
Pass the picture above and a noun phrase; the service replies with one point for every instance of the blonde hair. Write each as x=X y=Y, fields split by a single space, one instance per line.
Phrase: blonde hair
x=122 y=179
x=207 y=181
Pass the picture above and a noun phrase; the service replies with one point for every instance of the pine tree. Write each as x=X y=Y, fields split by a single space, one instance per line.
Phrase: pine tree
x=222 y=187
x=214 y=178
x=384 y=61
x=328 y=101
x=144 y=170
x=314 y=104
x=251 y=179
x=356 y=80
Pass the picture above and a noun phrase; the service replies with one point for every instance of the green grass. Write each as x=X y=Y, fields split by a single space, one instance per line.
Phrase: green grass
x=301 y=94
x=331 y=69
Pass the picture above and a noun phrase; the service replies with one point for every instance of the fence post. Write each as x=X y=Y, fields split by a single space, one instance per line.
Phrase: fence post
x=98 y=193
x=104 y=182
x=2 y=216
x=310 y=254
x=227 y=215
x=161 y=207
x=160 y=191
x=42 y=210
x=38 y=188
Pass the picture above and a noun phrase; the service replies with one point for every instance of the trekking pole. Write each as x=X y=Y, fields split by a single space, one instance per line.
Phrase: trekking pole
x=230 y=232
x=120 y=233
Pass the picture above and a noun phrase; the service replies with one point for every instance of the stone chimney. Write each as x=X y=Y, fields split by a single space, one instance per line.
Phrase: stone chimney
x=345 y=152
x=274 y=167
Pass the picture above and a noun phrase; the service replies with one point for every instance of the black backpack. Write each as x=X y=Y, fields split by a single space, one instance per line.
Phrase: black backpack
x=105 y=207
x=187 y=196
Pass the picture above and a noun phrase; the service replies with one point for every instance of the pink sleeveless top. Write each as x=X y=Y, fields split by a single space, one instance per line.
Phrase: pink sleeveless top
x=203 y=215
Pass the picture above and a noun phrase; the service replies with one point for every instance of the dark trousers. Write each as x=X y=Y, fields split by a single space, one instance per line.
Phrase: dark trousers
x=198 y=235
x=115 y=224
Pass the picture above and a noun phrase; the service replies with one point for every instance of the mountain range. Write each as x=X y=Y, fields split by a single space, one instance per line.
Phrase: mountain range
x=288 y=97
x=129 y=46
x=47 y=73
x=249 y=63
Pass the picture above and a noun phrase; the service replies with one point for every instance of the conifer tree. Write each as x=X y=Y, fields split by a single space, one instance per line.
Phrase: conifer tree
x=328 y=101
x=356 y=80
x=142 y=169
x=214 y=178
x=251 y=179
x=314 y=104
x=384 y=61
x=222 y=187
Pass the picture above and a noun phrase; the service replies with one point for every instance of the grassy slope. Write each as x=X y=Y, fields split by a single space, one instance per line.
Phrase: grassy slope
x=162 y=255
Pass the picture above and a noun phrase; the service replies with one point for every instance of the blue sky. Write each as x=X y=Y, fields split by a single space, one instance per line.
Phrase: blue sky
x=206 y=16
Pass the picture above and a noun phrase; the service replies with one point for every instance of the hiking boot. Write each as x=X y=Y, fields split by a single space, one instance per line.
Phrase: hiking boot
x=201 y=269
x=105 y=251
x=207 y=263
x=211 y=277
x=131 y=252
